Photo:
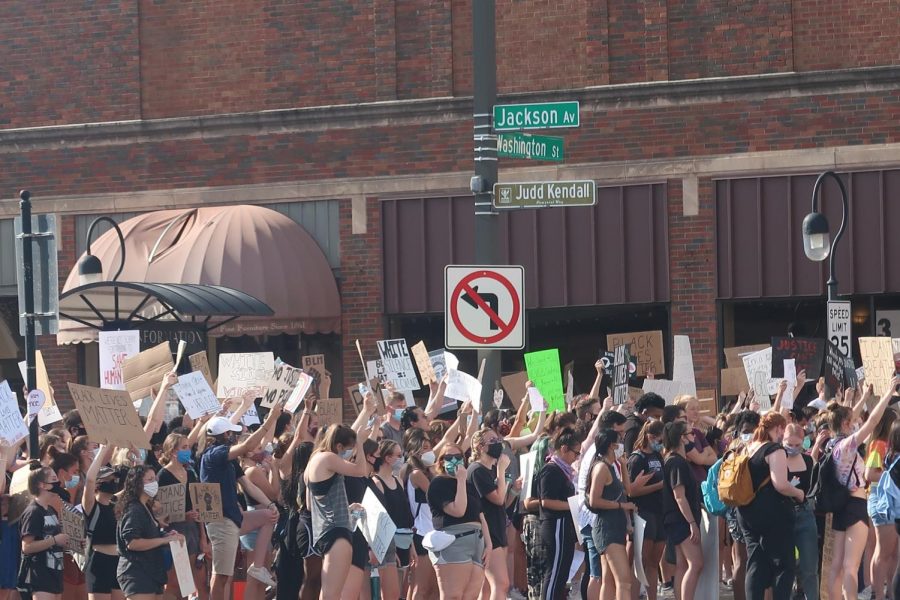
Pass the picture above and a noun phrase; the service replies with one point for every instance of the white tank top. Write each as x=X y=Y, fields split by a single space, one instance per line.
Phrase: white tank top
x=420 y=510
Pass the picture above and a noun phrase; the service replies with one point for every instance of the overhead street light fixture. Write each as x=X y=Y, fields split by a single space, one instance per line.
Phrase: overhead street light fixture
x=816 y=235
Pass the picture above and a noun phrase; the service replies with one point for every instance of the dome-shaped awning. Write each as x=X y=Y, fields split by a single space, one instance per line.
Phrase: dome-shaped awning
x=252 y=249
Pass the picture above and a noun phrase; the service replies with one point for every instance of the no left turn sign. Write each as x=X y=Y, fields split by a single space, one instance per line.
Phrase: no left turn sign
x=483 y=307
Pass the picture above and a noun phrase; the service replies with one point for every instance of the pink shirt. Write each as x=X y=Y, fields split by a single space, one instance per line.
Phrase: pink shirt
x=844 y=452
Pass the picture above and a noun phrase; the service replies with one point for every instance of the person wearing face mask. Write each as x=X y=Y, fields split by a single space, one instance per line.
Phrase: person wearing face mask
x=178 y=469
x=884 y=556
x=389 y=490
x=648 y=406
x=140 y=539
x=41 y=571
x=799 y=465
x=66 y=468
x=744 y=425
x=417 y=475
x=646 y=493
x=102 y=557
x=392 y=430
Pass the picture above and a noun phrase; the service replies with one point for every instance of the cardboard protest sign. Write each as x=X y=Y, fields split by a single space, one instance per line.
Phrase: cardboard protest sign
x=808 y=354
x=195 y=395
x=49 y=412
x=878 y=360
x=398 y=365
x=182 y=563
x=620 y=374
x=734 y=357
x=281 y=384
x=172 y=500
x=206 y=499
x=758 y=367
x=72 y=522
x=330 y=411
x=734 y=381
x=144 y=372
x=294 y=401
x=707 y=401
x=314 y=364
x=355 y=397
x=376 y=526
x=109 y=416
x=833 y=368
x=12 y=426
x=115 y=347
x=19 y=498
x=544 y=372
x=243 y=371
x=683 y=363
x=515 y=387
x=423 y=363
x=645 y=346
x=200 y=362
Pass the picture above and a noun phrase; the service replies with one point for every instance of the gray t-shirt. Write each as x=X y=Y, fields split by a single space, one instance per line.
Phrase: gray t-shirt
x=389 y=433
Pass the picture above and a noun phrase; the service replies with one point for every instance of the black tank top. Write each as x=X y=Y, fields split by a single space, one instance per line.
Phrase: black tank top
x=396 y=504
x=101 y=524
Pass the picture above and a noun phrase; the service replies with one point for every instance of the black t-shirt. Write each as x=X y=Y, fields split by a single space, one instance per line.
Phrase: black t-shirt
x=164 y=477
x=805 y=477
x=484 y=479
x=441 y=492
x=138 y=524
x=639 y=463
x=769 y=509
x=633 y=425
x=677 y=472
x=356 y=488
x=42 y=523
x=554 y=485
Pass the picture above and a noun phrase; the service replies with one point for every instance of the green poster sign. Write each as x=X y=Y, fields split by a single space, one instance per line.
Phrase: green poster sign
x=548 y=115
x=534 y=147
x=544 y=372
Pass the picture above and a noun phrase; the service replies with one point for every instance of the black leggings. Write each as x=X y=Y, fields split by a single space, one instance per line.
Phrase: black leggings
x=770 y=563
x=558 y=538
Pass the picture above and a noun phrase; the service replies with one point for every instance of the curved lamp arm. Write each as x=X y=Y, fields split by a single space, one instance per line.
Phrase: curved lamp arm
x=832 y=282
x=121 y=242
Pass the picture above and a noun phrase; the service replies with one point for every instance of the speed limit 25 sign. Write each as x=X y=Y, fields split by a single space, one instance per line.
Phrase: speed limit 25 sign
x=839 y=324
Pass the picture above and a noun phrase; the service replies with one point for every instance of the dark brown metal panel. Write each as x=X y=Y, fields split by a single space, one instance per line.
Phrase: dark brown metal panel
x=891 y=217
x=614 y=252
x=724 y=240
x=775 y=254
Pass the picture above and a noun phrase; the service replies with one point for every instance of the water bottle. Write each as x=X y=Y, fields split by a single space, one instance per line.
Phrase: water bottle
x=375 y=584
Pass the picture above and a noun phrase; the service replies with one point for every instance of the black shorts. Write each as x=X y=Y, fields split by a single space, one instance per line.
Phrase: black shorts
x=655 y=531
x=38 y=578
x=360 y=558
x=417 y=544
x=676 y=533
x=100 y=573
x=330 y=537
x=855 y=512
x=136 y=580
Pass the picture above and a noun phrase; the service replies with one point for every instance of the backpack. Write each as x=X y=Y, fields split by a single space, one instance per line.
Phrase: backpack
x=884 y=499
x=829 y=494
x=710 y=488
x=735 y=484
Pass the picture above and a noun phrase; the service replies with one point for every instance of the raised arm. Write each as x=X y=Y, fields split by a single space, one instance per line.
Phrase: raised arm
x=256 y=437
x=368 y=410
x=158 y=408
x=435 y=398
x=104 y=453
x=875 y=416
x=521 y=418
x=595 y=389
x=527 y=440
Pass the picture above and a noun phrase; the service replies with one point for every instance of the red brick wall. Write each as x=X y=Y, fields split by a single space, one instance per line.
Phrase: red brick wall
x=839 y=34
x=68 y=61
x=361 y=289
x=424 y=49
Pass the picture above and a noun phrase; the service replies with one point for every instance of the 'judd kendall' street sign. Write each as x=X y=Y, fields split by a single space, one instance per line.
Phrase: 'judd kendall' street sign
x=511 y=117
x=535 y=147
x=545 y=193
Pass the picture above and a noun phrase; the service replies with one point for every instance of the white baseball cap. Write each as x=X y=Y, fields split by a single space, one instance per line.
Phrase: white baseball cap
x=219 y=425
x=818 y=404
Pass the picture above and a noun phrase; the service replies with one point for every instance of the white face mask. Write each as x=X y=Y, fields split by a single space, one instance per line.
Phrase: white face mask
x=151 y=488
x=428 y=458
x=620 y=450
x=347 y=454
x=746 y=437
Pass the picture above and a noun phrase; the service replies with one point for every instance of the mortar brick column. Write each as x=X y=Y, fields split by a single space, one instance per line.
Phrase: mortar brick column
x=361 y=290
x=692 y=276
x=596 y=56
x=656 y=40
x=385 y=24
x=441 y=38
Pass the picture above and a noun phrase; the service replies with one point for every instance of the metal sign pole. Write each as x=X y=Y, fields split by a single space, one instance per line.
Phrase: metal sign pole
x=30 y=342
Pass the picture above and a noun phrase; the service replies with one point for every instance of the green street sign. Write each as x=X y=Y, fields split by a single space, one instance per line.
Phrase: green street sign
x=549 y=115
x=534 y=147
x=545 y=193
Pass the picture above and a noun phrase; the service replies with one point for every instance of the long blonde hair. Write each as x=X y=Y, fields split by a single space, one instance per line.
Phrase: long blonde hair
x=169 y=449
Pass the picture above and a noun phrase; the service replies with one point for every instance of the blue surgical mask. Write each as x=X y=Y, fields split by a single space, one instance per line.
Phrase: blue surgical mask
x=746 y=437
x=347 y=454
x=73 y=483
x=656 y=446
x=451 y=465
x=142 y=455
x=184 y=456
x=807 y=443
x=398 y=413
x=791 y=451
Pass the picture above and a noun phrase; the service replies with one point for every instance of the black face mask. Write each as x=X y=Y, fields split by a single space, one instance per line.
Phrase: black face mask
x=108 y=487
x=495 y=449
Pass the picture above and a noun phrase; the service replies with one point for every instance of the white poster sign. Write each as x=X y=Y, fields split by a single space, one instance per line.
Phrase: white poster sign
x=115 y=347
x=398 y=364
x=240 y=372
x=376 y=526
x=182 y=564
x=576 y=502
x=12 y=426
x=640 y=525
x=35 y=400
x=790 y=375
x=462 y=386
x=708 y=586
x=668 y=390
x=195 y=395
x=758 y=366
x=526 y=468
x=304 y=382
x=49 y=413
x=536 y=400
x=683 y=364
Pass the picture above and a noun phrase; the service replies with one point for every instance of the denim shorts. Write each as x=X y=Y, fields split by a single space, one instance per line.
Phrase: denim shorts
x=593 y=557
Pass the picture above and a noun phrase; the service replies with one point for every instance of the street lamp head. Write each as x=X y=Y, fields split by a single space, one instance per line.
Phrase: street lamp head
x=816 y=239
x=90 y=269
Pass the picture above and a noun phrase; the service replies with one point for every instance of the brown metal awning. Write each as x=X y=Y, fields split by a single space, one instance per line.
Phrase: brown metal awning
x=249 y=252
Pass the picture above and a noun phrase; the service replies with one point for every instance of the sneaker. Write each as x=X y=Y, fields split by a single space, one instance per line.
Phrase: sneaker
x=866 y=594
x=515 y=594
x=261 y=574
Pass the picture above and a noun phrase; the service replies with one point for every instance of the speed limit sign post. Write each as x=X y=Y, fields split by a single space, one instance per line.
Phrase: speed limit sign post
x=839 y=332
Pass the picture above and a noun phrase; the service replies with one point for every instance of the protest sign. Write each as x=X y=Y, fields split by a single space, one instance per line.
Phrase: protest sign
x=809 y=354
x=462 y=386
x=438 y=364
x=398 y=365
x=790 y=376
x=526 y=468
x=206 y=499
x=314 y=364
x=281 y=384
x=668 y=390
x=195 y=395
x=569 y=376
x=878 y=360
x=330 y=411
x=115 y=347
x=851 y=378
x=172 y=499
x=637 y=539
x=514 y=385
x=734 y=357
x=35 y=401
x=376 y=526
x=240 y=372
x=734 y=381
x=12 y=427
x=109 y=416
x=620 y=375
x=645 y=346
x=144 y=372
x=182 y=563
x=49 y=413
x=355 y=397
x=576 y=503
x=833 y=369
x=498 y=397
x=200 y=362
x=544 y=372
x=537 y=401
x=250 y=416
x=758 y=367
x=423 y=363
x=72 y=521
x=827 y=558
x=683 y=363
x=708 y=584
x=294 y=401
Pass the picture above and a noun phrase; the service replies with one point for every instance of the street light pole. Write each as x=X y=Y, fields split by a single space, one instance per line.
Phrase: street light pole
x=815 y=231
x=484 y=63
x=28 y=311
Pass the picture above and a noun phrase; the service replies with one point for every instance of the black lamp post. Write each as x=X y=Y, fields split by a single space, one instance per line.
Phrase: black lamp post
x=816 y=234
x=90 y=269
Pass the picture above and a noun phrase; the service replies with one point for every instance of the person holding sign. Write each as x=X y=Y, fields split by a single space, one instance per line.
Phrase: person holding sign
x=100 y=486
x=43 y=542
x=393 y=496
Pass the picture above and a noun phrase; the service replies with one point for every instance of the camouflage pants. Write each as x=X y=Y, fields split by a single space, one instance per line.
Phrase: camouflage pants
x=535 y=558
